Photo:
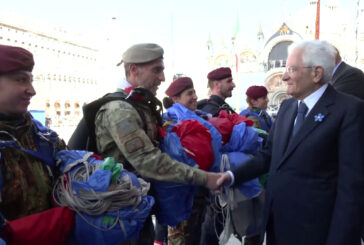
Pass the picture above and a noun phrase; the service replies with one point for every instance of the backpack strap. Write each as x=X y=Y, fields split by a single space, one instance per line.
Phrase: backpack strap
x=201 y=103
x=87 y=123
x=84 y=138
x=248 y=112
x=46 y=141
x=42 y=142
x=225 y=106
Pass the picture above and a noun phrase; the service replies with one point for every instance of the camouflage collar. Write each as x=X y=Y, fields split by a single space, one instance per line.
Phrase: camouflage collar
x=16 y=127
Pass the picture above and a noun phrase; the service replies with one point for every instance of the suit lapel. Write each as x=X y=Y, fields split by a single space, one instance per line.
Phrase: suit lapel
x=286 y=126
x=310 y=123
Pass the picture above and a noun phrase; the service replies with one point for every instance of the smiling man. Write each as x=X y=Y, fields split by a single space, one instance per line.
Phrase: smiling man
x=221 y=85
x=128 y=129
x=16 y=90
x=314 y=155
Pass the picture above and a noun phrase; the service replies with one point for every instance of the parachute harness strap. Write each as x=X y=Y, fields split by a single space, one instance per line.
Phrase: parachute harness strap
x=226 y=201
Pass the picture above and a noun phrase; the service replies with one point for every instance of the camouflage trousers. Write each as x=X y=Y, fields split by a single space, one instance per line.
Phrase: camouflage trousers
x=188 y=232
x=178 y=235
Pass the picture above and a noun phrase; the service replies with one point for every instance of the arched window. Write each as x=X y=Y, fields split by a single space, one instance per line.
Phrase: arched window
x=278 y=55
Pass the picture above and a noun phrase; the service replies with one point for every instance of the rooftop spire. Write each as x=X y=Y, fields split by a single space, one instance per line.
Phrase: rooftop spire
x=260 y=34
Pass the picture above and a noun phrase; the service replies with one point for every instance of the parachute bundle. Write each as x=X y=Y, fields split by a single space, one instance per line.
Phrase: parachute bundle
x=192 y=140
x=196 y=142
x=111 y=203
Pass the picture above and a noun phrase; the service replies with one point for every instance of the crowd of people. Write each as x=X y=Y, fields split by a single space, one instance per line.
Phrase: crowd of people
x=300 y=177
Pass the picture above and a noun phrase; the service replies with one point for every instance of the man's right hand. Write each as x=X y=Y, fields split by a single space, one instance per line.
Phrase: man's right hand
x=211 y=182
x=224 y=179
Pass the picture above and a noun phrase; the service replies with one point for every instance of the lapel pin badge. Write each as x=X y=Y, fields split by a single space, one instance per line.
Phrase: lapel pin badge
x=319 y=117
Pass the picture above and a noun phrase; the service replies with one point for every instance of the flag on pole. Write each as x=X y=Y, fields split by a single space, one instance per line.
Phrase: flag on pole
x=317 y=30
x=237 y=27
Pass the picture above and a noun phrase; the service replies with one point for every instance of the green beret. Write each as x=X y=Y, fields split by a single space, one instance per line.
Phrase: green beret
x=142 y=53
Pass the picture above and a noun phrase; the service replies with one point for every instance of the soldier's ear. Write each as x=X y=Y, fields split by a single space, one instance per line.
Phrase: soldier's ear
x=133 y=68
x=216 y=84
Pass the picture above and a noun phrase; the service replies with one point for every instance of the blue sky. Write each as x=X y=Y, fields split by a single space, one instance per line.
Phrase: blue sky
x=182 y=27
x=152 y=19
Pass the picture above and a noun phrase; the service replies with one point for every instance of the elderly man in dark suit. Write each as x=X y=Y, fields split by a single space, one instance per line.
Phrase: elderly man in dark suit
x=315 y=157
x=347 y=79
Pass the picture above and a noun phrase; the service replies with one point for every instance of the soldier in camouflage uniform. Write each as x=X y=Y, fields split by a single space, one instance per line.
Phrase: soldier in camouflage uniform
x=26 y=183
x=121 y=132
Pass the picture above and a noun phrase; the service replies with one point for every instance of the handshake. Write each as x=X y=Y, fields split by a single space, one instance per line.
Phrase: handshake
x=216 y=180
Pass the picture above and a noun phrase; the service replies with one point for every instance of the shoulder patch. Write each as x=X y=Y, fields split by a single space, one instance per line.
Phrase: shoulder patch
x=126 y=127
x=134 y=144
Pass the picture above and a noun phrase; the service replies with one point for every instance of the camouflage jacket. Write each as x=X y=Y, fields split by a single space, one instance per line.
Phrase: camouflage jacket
x=120 y=134
x=27 y=185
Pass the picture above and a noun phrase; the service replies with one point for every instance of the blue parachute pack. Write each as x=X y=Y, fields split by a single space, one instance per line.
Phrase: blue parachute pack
x=174 y=201
x=111 y=227
x=265 y=125
x=243 y=143
x=179 y=112
x=131 y=218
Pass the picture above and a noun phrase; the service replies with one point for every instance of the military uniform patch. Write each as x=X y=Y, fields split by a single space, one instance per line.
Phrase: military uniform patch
x=134 y=144
x=126 y=127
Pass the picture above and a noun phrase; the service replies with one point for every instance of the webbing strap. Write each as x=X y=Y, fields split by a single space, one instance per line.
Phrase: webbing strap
x=14 y=144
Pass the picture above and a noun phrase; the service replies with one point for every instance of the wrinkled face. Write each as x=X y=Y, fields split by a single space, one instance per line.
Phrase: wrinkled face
x=299 y=78
x=226 y=87
x=187 y=98
x=261 y=102
x=150 y=75
x=16 y=90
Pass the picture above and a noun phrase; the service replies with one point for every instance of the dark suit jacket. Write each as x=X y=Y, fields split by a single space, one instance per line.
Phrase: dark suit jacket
x=348 y=79
x=315 y=191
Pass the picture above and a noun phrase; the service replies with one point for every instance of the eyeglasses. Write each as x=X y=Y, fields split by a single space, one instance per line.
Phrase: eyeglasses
x=291 y=69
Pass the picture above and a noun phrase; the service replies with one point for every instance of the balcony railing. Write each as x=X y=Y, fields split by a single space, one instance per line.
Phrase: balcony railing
x=272 y=64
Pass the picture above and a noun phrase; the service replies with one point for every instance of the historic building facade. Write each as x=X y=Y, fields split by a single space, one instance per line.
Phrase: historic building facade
x=65 y=72
x=263 y=63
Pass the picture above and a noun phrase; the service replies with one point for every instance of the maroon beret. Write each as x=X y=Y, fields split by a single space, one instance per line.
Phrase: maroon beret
x=179 y=85
x=14 y=59
x=256 y=92
x=219 y=73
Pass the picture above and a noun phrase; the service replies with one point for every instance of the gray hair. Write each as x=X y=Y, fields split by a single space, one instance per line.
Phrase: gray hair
x=317 y=53
x=127 y=69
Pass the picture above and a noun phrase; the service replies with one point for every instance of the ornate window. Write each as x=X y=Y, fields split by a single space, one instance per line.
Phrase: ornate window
x=222 y=60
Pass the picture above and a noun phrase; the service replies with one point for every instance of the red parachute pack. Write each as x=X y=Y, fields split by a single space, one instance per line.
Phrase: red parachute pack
x=49 y=227
x=196 y=140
